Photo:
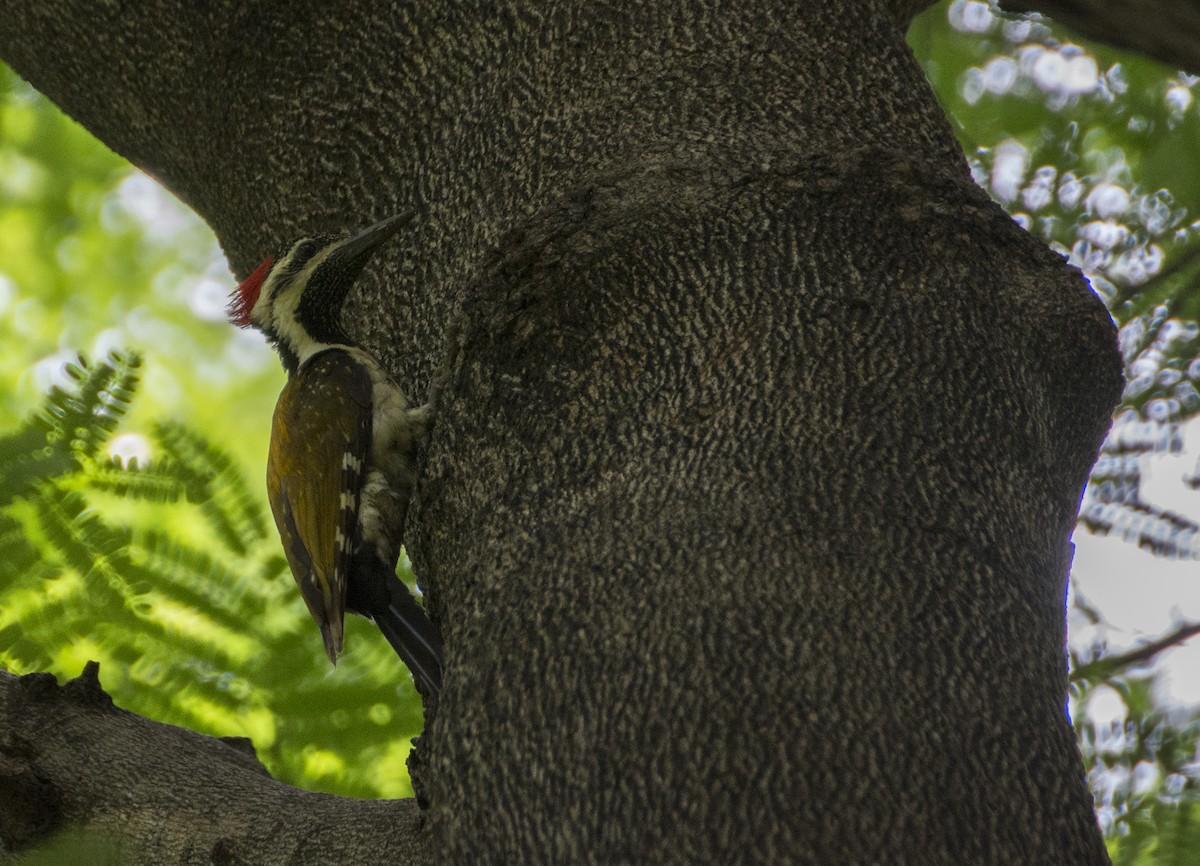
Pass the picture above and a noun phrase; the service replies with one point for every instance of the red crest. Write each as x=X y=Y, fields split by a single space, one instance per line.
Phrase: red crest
x=243 y=301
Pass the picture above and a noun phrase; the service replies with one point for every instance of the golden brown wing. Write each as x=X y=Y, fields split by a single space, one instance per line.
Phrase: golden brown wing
x=320 y=436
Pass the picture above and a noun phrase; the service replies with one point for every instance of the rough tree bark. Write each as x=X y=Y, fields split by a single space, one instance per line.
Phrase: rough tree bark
x=746 y=511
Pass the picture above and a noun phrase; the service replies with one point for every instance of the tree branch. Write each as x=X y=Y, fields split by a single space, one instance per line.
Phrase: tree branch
x=1109 y=665
x=1165 y=30
x=70 y=759
x=1180 y=263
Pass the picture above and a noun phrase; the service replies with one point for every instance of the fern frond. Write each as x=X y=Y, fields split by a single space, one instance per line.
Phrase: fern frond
x=216 y=484
x=17 y=555
x=86 y=417
x=71 y=427
x=206 y=634
x=1163 y=533
x=86 y=544
x=192 y=577
x=157 y=482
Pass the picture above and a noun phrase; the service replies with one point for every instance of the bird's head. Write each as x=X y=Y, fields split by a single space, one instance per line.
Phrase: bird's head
x=295 y=297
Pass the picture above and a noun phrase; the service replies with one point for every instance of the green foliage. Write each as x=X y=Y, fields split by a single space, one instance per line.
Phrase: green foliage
x=70 y=430
x=194 y=617
x=1142 y=769
x=95 y=255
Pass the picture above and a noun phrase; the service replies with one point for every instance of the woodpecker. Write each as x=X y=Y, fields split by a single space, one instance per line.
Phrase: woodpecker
x=340 y=468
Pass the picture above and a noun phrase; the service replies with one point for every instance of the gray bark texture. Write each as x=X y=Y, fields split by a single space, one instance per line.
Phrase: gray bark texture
x=151 y=793
x=760 y=430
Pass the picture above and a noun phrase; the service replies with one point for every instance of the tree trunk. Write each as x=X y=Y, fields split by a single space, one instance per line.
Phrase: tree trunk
x=745 y=515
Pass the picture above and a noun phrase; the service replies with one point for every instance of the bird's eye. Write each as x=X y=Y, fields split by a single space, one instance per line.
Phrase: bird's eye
x=305 y=251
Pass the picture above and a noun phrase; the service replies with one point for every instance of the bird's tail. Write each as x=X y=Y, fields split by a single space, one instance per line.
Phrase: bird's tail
x=378 y=594
x=414 y=638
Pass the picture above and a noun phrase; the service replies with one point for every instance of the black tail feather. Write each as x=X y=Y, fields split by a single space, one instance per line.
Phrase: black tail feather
x=415 y=640
x=375 y=592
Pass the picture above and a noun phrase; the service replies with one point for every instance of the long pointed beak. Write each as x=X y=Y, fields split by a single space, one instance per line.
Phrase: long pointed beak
x=361 y=245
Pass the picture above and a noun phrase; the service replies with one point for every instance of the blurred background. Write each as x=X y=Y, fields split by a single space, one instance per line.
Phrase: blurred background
x=133 y=521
